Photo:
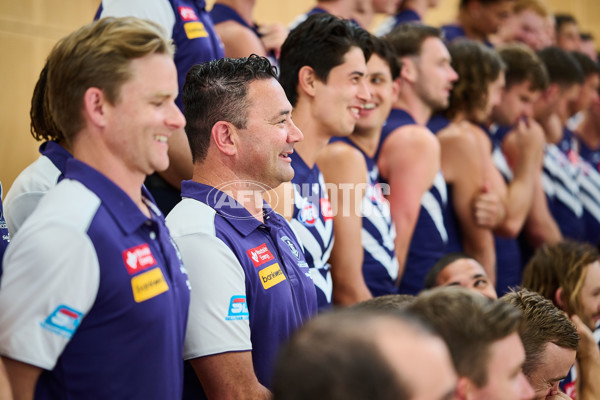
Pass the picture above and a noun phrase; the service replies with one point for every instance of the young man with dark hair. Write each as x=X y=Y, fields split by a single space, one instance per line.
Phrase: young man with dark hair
x=478 y=20
x=550 y=340
x=94 y=294
x=558 y=181
x=363 y=260
x=328 y=94
x=252 y=282
x=582 y=110
x=517 y=150
x=483 y=338
x=364 y=354
x=460 y=269
x=408 y=154
x=567 y=32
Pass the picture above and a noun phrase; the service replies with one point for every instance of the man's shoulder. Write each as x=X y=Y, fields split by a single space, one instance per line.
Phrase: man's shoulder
x=191 y=216
x=69 y=203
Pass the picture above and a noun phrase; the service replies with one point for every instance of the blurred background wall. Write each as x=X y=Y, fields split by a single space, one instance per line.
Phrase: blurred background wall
x=29 y=29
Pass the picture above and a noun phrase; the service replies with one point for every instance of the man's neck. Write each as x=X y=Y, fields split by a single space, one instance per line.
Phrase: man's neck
x=367 y=140
x=465 y=22
x=114 y=168
x=413 y=105
x=315 y=135
x=216 y=173
x=589 y=132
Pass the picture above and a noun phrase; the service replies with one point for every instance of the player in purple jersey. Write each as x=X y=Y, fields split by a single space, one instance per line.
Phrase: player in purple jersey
x=518 y=147
x=411 y=11
x=557 y=189
x=94 y=294
x=478 y=20
x=253 y=283
x=568 y=274
x=241 y=36
x=327 y=94
x=363 y=261
x=189 y=25
x=408 y=154
x=467 y=162
x=582 y=110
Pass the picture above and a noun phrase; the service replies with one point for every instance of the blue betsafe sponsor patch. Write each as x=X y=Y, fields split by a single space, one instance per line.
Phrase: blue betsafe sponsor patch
x=238 y=309
x=63 y=321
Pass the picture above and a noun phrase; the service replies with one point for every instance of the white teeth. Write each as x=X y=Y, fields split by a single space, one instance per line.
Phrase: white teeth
x=160 y=138
x=369 y=106
x=355 y=111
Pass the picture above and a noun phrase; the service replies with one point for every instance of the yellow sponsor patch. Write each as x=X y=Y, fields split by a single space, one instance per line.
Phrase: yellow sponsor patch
x=271 y=276
x=148 y=285
x=195 y=30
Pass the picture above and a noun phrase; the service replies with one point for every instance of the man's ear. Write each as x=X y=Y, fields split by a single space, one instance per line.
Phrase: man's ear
x=307 y=80
x=408 y=70
x=224 y=135
x=558 y=300
x=465 y=389
x=94 y=106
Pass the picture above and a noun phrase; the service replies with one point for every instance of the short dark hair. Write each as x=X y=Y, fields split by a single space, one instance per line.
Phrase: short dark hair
x=383 y=49
x=477 y=66
x=335 y=357
x=217 y=91
x=320 y=42
x=541 y=323
x=522 y=65
x=588 y=66
x=563 y=69
x=563 y=19
x=407 y=39
x=432 y=274
x=469 y=323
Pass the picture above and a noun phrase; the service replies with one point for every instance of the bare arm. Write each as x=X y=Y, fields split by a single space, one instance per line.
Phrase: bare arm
x=22 y=377
x=229 y=376
x=238 y=40
x=524 y=149
x=344 y=170
x=540 y=227
x=409 y=161
x=463 y=167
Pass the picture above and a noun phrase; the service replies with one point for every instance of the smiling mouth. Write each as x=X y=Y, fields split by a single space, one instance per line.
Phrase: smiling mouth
x=356 y=111
x=369 y=106
x=161 y=138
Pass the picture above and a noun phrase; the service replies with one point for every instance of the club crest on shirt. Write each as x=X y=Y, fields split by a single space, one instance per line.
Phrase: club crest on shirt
x=63 y=321
x=138 y=258
x=308 y=214
x=291 y=245
x=260 y=255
